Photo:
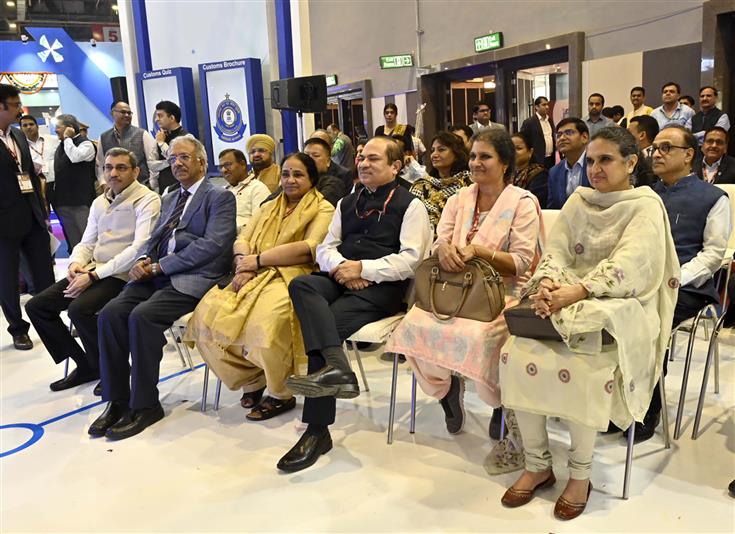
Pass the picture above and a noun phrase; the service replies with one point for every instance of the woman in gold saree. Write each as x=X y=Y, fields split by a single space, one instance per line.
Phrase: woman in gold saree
x=248 y=332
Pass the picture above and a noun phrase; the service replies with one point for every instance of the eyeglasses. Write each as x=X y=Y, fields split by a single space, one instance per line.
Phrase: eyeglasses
x=123 y=112
x=183 y=158
x=566 y=133
x=711 y=141
x=665 y=148
x=225 y=166
x=120 y=167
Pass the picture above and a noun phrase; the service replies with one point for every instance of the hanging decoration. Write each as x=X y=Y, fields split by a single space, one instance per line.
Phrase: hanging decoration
x=27 y=83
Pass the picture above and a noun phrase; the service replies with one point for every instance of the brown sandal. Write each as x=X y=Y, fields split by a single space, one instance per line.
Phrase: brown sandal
x=566 y=510
x=271 y=407
x=251 y=398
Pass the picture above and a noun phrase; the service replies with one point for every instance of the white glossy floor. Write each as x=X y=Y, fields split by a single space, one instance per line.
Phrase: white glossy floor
x=214 y=471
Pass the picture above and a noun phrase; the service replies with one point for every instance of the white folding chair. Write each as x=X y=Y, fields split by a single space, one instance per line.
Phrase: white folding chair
x=375 y=332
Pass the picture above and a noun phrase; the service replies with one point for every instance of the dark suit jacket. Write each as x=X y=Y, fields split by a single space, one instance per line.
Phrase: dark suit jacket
x=344 y=174
x=204 y=239
x=18 y=211
x=532 y=127
x=558 y=185
x=644 y=174
x=725 y=172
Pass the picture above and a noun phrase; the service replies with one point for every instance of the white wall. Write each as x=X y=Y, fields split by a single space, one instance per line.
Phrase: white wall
x=347 y=37
x=613 y=77
x=187 y=33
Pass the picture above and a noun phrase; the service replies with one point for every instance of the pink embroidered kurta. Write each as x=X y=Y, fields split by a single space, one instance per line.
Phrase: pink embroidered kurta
x=469 y=347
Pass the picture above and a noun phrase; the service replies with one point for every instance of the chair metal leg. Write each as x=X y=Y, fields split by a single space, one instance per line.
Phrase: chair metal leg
x=412 y=421
x=176 y=344
x=66 y=367
x=717 y=363
x=392 y=407
x=711 y=349
x=187 y=352
x=629 y=461
x=502 y=423
x=664 y=411
x=359 y=364
x=204 y=388
x=672 y=344
x=685 y=377
x=217 y=392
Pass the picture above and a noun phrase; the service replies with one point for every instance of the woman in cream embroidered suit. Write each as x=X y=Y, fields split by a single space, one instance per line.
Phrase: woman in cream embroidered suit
x=610 y=265
x=498 y=222
x=248 y=332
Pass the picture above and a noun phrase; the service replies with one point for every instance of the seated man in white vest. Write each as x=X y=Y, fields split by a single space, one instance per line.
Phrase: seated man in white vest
x=119 y=225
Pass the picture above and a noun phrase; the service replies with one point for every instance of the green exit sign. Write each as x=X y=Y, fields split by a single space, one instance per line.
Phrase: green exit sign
x=489 y=42
x=396 y=62
x=331 y=80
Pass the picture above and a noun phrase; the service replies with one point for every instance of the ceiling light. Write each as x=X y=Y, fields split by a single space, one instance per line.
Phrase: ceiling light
x=10 y=3
x=12 y=25
x=548 y=46
x=114 y=7
x=489 y=85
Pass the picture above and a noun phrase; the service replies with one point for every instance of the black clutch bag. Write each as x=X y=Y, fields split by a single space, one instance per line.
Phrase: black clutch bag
x=522 y=321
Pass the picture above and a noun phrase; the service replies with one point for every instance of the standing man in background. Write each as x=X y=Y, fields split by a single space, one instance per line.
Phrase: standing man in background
x=482 y=111
x=125 y=135
x=709 y=115
x=595 y=120
x=168 y=118
x=43 y=148
x=74 y=168
x=343 y=153
x=671 y=111
x=540 y=128
x=638 y=99
x=22 y=218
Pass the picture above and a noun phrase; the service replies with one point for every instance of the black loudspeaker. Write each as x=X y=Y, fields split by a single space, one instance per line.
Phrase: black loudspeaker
x=307 y=94
x=119 y=89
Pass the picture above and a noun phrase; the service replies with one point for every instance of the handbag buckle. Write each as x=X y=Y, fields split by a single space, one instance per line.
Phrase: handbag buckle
x=444 y=285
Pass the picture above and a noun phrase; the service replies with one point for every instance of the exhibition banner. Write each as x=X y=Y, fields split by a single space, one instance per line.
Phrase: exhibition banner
x=232 y=98
x=174 y=84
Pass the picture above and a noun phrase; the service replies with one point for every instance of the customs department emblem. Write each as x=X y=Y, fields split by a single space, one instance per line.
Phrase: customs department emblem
x=229 y=126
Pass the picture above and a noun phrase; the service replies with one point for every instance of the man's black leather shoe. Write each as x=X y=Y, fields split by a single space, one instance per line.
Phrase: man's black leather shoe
x=453 y=405
x=22 y=342
x=135 y=422
x=306 y=452
x=645 y=430
x=326 y=382
x=112 y=414
x=74 y=379
x=97 y=391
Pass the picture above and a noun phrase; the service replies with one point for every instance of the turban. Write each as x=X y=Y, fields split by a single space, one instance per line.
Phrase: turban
x=261 y=141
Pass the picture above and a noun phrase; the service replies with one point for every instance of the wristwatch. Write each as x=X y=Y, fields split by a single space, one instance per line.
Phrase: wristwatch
x=154 y=269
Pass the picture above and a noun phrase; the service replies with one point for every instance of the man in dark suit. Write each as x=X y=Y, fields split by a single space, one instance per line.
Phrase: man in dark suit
x=189 y=251
x=22 y=218
x=716 y=167
x=540 y=128
x=572 y=136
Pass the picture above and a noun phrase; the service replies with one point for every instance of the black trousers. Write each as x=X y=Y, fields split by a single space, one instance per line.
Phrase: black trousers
x=133 y=324
x=329 y=314
x=35 y=246
x=43 y=310
x=687 y=306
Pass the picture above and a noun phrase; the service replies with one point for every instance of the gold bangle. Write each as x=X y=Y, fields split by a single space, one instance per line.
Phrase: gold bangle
x=492 y=258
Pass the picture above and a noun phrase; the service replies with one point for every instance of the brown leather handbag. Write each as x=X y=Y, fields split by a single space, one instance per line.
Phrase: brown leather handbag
x=477 y=292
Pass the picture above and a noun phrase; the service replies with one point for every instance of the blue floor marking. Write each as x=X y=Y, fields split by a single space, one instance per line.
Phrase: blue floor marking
x=38 y=429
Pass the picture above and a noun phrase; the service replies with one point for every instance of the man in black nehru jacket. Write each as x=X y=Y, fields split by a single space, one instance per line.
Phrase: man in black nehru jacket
x=377 y=238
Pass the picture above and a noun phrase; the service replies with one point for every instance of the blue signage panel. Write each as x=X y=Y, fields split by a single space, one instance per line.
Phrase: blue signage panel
x=174 y=84
x=232 y=101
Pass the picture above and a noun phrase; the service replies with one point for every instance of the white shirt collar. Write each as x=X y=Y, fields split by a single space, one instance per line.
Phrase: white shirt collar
x=193 y=189
x=542 y=119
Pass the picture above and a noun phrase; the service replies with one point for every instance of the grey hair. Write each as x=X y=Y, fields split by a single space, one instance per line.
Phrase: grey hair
x=120 y=151
x=69 y=120
x=199 y=150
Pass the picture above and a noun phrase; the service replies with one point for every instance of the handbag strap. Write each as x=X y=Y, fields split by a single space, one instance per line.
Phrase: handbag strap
x=466 y=284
